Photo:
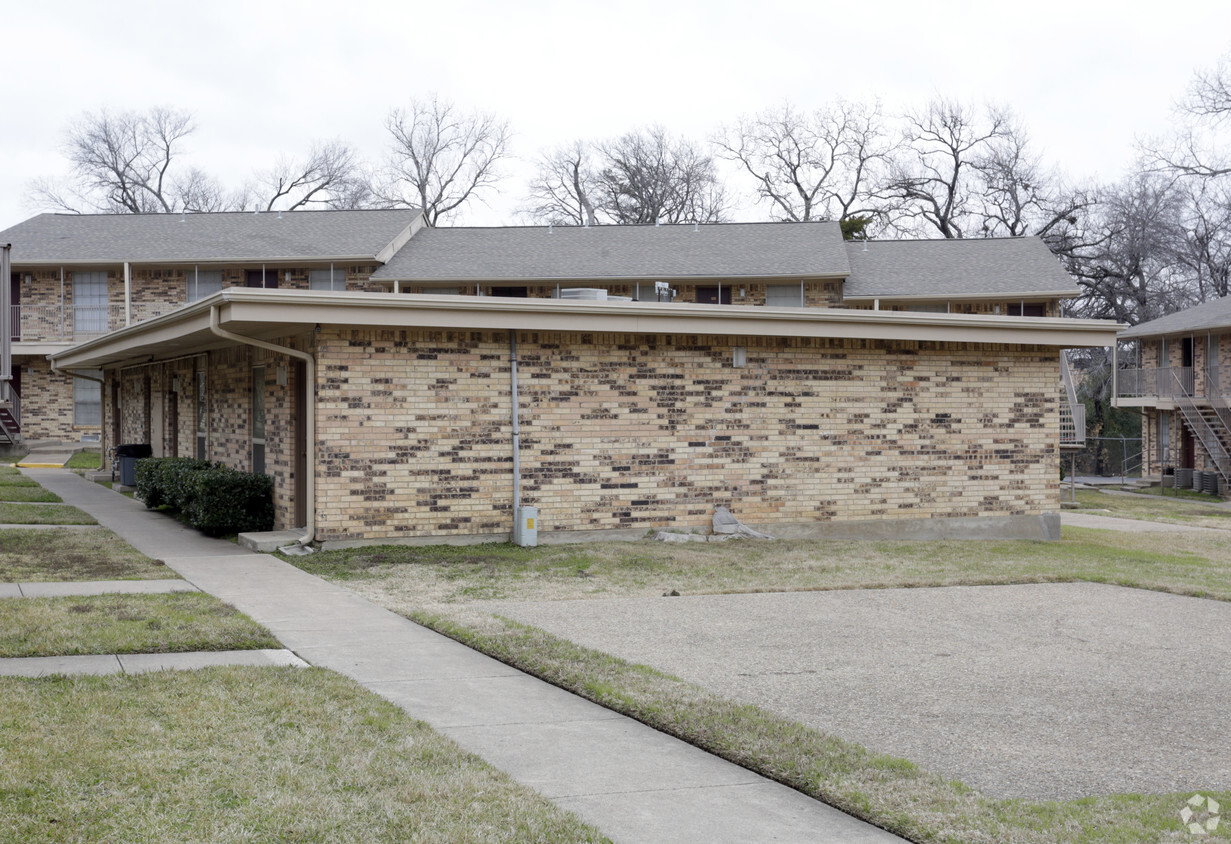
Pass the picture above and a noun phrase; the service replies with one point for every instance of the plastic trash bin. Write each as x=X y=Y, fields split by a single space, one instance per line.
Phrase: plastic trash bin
x=128 y=454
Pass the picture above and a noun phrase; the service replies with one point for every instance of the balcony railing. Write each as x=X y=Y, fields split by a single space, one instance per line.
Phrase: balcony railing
x=1156 y=382
x=68 y=323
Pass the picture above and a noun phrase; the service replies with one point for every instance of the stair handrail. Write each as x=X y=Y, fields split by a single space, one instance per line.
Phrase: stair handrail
x=9 y=396
x=1213 y=392
x=1072 y=422
x=1205 y=434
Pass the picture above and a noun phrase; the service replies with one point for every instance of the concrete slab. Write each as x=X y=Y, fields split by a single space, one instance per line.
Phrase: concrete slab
x=468 y=701
x=143 y=663
x=559 y=759
x=268 y=541
x=703 y=816
x=1039 y=691
x=10 y=590
x=105 y=587
x=45 y=666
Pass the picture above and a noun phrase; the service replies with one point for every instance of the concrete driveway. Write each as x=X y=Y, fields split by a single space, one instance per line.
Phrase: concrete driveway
x=1037 y=691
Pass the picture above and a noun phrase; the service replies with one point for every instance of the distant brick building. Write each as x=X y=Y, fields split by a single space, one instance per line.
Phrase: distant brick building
x=810 y=385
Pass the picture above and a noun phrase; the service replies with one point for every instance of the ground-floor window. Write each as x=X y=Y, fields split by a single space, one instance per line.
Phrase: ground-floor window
x=258 y=419
x=88 y=400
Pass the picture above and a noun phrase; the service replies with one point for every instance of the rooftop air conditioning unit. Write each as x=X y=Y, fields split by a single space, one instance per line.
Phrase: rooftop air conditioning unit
x=594 y=293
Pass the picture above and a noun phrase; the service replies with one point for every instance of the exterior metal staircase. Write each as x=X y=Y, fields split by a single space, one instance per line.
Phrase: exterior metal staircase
x=1072 y=412
x=1207 y=426
x=10 y=415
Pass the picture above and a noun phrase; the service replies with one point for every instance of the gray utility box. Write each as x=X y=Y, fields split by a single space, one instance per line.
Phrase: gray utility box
x=526 y=529
x=127 y=455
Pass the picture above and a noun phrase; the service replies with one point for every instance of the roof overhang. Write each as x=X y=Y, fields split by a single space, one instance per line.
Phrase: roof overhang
x=963 y=297
x=604 y=279
x=266 y=315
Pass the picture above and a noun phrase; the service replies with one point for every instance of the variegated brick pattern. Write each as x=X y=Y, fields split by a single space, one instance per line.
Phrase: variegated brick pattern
x=635 y=432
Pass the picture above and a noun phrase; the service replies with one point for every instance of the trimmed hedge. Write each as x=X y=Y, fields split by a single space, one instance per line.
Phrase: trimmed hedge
x=211 y=497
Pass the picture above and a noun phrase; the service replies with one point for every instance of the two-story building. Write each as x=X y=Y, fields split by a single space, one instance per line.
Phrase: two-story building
x=1179 y=377
x=403 y=383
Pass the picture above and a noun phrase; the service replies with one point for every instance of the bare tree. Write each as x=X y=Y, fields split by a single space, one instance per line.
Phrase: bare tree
x=442 y=157
x=1204 y=252
x=649 y=177
x=933 y=179
x=561 y=190
x=1129 y=272
x=121 y=163
x=330 y=176
x=1195 y=149
x=822 y=165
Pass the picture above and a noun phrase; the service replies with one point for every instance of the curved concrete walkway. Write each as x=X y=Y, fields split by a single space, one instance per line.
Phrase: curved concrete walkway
x=632 y=782
x=1093 y=520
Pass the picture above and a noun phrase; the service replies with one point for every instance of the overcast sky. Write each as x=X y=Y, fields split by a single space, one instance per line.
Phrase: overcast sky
x=263 y=77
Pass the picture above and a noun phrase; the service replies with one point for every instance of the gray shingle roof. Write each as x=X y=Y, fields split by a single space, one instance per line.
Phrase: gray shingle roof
x=726 y=250
x=1211 y=316
x=934 y=268
x=171 y=238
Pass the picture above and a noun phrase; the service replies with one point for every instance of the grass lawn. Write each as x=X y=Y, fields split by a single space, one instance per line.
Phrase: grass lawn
x=12 y=476
x=85 y=460
x=245 y=754
x=1199 y=511
x=11 y=458
x=13 y=492
x=126 y=624
x=29 y=555
x=41 y=514
x=448 y=588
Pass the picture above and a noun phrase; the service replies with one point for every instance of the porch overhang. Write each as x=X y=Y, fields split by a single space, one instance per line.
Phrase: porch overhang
x=265 y=315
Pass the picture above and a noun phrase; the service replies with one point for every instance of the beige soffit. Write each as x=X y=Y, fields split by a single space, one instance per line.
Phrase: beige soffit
x=267 y=314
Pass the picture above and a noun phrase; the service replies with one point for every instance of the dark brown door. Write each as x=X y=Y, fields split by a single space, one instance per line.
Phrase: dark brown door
x=263 y=278
x=714 y=295
x=511 y=292
x=301 y=467
x=172 y=424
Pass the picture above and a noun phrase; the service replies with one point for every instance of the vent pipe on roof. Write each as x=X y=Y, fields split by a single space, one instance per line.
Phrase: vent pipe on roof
x=549 y=228
x=696 y=226
x=279 y=213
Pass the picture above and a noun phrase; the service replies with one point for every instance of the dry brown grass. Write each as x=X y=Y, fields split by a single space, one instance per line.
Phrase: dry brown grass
x=56 y=554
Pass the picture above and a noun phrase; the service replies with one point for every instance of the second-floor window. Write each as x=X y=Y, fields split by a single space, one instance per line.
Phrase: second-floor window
x=90 y=303
x=327 y=279
x=202 y=283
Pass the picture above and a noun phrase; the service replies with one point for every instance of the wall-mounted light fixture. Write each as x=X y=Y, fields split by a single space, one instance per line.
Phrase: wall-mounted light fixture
x=280 y=376
x=739 y=357
x=28 y=278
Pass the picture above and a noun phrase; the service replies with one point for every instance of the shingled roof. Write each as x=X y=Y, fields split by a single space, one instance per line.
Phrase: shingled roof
x=727 y=250
x=1211 y=316
x=217 y=237
x=933 y=269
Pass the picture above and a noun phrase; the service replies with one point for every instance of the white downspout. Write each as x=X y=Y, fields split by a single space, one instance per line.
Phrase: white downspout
x=516 y=427
x=309 y=534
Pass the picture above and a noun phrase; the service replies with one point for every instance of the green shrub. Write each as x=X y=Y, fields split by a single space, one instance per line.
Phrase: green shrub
x=213 y=498
x=221 y=501
x=163 y=480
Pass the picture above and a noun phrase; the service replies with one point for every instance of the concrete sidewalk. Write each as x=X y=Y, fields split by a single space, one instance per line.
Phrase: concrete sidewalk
x=43 y=666
x=632 y=782
x=79 y=588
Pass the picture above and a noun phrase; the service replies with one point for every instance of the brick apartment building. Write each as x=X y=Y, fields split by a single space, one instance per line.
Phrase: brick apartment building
x=369 y=365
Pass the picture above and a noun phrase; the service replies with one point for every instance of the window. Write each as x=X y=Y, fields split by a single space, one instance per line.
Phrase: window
x=928 y=307
x=202 y=283
x=714 y=295
x=441 y=291
x=331 y=278
x=784 y=295
x=90 y=303
x=258 y=419
x=88 y=401
x=1028 y=309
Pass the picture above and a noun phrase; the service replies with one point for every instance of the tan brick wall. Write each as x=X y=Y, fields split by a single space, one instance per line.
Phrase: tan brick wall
x=229 y=438
x=622 y=431
x=47 y=402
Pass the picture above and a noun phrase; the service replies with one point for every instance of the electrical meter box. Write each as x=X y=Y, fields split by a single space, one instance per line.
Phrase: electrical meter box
x=526 y=531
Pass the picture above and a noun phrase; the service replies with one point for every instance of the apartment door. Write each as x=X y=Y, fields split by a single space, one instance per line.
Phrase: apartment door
x=262 y=278
x=714 y=295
